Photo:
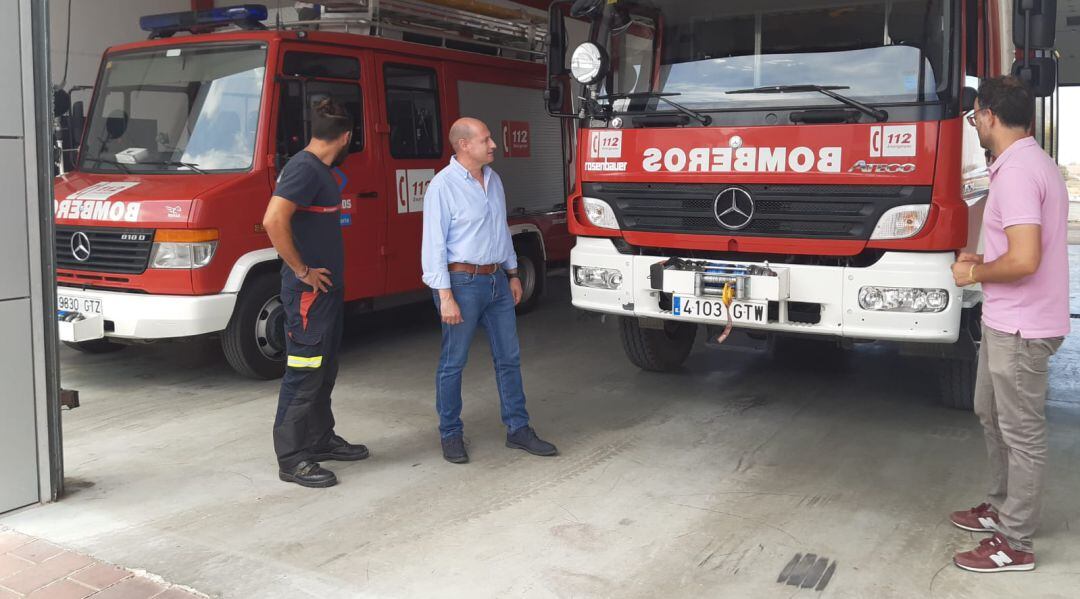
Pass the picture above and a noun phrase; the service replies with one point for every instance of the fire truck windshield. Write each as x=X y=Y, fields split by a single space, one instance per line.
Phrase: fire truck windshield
x=879 y=51
x=184 y=109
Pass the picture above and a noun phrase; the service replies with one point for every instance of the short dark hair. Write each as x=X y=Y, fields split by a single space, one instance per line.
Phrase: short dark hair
x=330 y=120
x=1008 y=98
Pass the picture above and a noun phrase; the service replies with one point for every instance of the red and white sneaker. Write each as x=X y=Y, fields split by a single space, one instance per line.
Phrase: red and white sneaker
x=981 y=518
x=995 y=555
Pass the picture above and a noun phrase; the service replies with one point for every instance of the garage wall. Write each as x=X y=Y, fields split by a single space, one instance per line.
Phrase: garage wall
x=29 y=460
x=96 y=25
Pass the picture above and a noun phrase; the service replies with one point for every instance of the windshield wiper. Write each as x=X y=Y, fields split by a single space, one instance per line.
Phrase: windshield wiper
x=875 y=113
x=122 y=166
x=704 y=119
x=189 y=165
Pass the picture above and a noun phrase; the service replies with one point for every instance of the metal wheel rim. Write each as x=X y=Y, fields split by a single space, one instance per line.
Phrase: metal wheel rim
x=263 y=334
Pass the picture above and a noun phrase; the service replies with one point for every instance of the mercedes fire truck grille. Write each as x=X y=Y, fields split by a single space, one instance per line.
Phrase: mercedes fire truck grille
x=800 y=211
x=103 y=249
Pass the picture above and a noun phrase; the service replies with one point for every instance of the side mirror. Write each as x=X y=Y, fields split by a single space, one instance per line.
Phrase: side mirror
x=1034 y=23
x=967 y=98
x=61 y=102
x=557 y=75
x=1040 y=75
x=556 y=56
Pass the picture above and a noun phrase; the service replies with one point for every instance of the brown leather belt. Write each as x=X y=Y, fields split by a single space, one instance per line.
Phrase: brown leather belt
x=476 y=269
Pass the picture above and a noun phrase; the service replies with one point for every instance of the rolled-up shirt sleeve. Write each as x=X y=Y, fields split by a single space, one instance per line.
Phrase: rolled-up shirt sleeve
x=436 y=229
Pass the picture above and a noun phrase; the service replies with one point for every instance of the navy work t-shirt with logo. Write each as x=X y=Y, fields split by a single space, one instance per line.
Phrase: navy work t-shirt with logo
x=316 y=225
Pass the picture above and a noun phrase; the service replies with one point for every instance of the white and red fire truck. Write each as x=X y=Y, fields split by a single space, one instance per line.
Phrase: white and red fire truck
x=794 y=168
x=158 y=231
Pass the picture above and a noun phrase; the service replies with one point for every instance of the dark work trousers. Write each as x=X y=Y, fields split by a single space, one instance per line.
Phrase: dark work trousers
x=313 y=327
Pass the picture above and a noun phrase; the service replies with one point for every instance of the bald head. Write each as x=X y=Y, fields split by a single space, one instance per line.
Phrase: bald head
x=472 y=143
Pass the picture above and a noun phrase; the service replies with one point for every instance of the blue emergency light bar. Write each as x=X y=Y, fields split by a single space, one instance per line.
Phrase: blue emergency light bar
x=247 y=16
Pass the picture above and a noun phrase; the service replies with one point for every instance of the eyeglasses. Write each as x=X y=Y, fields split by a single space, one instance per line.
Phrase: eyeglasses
x=971 y=115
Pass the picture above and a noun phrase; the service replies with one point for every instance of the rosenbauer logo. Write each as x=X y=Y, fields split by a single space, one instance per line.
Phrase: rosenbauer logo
x=799 y=159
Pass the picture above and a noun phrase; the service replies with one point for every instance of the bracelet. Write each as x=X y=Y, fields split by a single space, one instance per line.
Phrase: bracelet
x=971 y=273
x=512 y=275
x=307 y=270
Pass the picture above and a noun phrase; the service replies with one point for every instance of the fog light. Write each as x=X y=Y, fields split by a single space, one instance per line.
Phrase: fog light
x=903 y=299
x=598 y=278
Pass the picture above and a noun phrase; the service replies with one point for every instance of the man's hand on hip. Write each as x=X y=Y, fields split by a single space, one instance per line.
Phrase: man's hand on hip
x=318 y=278
x=515 y=290
x=448 y=308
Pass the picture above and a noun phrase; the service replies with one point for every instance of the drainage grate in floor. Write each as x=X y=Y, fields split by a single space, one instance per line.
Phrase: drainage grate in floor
x=808 y=571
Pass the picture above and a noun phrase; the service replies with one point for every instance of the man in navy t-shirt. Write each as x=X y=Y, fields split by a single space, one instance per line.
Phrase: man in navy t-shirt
x=303 y=221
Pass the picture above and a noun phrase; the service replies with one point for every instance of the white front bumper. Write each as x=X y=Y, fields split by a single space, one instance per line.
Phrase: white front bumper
x=141 y=316
x=836 y=289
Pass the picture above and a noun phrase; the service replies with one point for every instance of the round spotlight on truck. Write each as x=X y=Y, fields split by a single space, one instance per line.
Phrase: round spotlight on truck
x=588 y=63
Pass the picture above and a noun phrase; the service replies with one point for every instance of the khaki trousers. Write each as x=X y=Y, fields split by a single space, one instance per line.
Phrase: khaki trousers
x=1010 y=400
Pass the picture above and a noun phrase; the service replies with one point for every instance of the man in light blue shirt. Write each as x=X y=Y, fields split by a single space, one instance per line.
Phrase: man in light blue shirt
x=470 y=264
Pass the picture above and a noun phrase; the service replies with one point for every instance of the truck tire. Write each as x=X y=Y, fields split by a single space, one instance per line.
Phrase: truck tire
x=254 y=340
x=532 y=271
x=957 y=383
x=96 y=346
x=957 y=373
x=657 y=350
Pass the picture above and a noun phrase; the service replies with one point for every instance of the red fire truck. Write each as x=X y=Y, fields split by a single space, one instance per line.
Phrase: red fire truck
x=797 y=169
x=158 y=232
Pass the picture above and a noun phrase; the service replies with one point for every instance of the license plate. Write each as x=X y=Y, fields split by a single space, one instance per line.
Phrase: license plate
x=84 y=305
x=686 y=306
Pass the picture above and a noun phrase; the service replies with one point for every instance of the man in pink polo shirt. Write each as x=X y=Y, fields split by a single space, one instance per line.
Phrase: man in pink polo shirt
x=1025 y=280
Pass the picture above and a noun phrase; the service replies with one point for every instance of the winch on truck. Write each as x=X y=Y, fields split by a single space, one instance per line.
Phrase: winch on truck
x=790 y=168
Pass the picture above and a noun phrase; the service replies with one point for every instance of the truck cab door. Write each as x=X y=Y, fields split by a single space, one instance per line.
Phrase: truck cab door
x=412 y=135
x=309 y=74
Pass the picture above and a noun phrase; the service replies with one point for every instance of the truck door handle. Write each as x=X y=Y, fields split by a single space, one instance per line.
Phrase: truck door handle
x=367 y=194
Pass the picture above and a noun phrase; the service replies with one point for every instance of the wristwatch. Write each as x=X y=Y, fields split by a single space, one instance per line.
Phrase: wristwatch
x=512 y=274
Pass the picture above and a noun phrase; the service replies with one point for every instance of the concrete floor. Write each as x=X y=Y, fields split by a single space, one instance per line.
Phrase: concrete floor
x=700 y=484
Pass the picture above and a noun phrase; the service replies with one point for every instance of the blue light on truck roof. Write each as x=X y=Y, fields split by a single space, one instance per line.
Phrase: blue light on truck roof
x=247 y=16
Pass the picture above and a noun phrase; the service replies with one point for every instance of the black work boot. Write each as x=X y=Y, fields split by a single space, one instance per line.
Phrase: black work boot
x=309 y=474
x=525 y=438
x=340 y=450
x=453 y=450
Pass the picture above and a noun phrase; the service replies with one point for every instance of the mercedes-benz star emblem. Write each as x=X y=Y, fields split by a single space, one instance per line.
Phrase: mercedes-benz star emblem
x=80 y=246
x=734 y=208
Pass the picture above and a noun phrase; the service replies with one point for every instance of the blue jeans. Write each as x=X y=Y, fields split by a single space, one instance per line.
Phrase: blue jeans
x=484 y=300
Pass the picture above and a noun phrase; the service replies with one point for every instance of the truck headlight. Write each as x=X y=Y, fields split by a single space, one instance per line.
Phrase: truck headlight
x=183 y=248
x=600 y=213
x=901 y=222
x=597 y=278
x=903 y=299
x=588 y=63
